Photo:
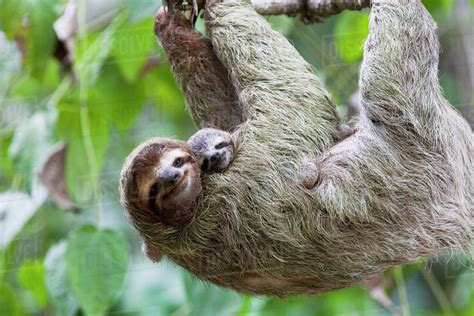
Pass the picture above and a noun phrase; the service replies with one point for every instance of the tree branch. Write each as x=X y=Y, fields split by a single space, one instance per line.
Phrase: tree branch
x=309 y=10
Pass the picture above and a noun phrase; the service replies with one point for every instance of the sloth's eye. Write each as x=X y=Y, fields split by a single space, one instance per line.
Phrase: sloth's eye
x=178 y=162
x=154 y=190
x=222 y=145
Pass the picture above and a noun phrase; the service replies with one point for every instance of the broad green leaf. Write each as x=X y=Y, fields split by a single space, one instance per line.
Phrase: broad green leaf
x=117 y=98
x=16 y=208
x=96 y=263
x=31 y=278
x=93 y=51
x=154 y=289
x=438 y=5
x=282 y=23
x=40 y=35
x=10 y=62
x=79 y=178
x=140 y=10
x=132 y=47
x=57 y=283
x=8 y=302
x=218 y=301
x=31 y=141
x=169 y=101
x=350 y=32
x=451 y=88
x=11 y=12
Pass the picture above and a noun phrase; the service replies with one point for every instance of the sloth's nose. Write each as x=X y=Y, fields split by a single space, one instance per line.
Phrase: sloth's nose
x=170 y=176
x=216 y=156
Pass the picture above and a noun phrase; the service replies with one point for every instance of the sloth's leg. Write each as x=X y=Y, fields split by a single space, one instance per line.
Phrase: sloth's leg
x=410 y=162
x=270 y=75
x=210 y=96
x=399 y=83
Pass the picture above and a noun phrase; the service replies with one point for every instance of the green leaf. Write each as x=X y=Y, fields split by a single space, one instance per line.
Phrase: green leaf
x=282 y=23
x=96 y=263
x=93 y=51
x=16 y=208
x=57 y=283
x=132 y=47
x=451 y=88
x=8 y=302
x=31 y=141
x=351 y=30
x=79 y=179
x=31 y=278
x=10 y=62
x=11 y=12
x=438 y=5
x=218 y=301
x=40 y=35
x=142 y=9
x=162 y=87
x=113 y=96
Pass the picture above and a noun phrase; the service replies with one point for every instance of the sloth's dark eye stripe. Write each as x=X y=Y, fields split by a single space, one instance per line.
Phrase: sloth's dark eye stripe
x=154 y=190
x=187 y=159
x=222 y=145
x=205 y=165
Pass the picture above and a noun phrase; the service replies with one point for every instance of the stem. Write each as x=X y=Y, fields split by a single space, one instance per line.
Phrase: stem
x=402 y=291
x=438 y=292
x=84 y=114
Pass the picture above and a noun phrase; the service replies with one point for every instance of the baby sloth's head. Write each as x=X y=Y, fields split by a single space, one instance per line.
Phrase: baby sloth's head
x=160 y=185
x=213 y=148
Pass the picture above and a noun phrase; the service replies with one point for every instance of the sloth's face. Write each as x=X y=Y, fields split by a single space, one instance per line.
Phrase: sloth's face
x=168 y=180
x=213 y=148
x=217 y=155
x=172 y=178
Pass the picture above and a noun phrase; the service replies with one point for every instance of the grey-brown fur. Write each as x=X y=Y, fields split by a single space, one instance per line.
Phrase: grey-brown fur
x=399 y=189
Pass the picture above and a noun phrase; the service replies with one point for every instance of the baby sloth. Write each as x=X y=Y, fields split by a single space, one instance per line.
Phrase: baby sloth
x=213 y=148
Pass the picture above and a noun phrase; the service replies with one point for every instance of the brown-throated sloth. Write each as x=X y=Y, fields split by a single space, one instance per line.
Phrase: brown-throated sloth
x=400 y=188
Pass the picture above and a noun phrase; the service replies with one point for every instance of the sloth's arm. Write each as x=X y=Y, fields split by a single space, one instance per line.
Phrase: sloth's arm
x=210 y=96
x=266 y=69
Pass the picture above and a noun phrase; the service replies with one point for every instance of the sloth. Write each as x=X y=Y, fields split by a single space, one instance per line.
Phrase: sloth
x=213 y=148
x=166 y=174
x=166 y=186
x=397 y=190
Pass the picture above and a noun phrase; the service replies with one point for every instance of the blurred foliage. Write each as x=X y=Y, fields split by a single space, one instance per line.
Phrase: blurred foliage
x=118 y=92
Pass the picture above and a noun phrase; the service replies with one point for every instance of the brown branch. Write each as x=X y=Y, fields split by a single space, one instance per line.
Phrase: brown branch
x=308 y=10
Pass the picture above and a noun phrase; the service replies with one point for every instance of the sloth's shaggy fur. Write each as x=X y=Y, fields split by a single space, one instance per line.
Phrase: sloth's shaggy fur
x=201 y=73
x=399 y=189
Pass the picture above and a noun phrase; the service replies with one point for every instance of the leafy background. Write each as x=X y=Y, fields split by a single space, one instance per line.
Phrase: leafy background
x=118 y=91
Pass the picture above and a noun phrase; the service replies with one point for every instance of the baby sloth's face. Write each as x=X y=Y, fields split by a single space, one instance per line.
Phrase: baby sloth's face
x=213 y=148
